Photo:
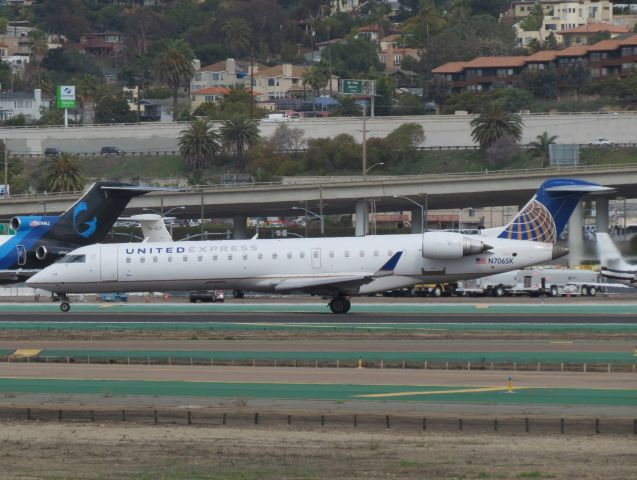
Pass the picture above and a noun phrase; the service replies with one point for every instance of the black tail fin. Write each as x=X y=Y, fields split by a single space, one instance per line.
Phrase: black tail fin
x=89 y=219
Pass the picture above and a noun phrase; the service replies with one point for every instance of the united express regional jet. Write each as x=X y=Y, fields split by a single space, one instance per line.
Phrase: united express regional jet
x=335 y=267
x=41 y=240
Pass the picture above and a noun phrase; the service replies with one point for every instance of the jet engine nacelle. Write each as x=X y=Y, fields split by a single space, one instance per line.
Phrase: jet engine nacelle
x=30 y=222
x=43 y=252
x=450 y=245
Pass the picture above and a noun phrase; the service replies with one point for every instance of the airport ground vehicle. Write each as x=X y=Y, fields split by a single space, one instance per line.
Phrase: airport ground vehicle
x=434 y=290
x=493 y=285
x=51 y=152
x=113 y=297
x=535 y=281
x=206 y=296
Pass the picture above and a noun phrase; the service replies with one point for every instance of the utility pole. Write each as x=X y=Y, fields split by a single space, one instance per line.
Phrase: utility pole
x=6 y=169
x=364 y=140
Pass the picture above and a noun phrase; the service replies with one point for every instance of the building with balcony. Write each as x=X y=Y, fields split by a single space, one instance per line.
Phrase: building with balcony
x=609 y=58
x=221 y=74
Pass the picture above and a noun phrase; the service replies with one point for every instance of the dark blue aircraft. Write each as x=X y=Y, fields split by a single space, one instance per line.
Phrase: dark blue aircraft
x=40 y=240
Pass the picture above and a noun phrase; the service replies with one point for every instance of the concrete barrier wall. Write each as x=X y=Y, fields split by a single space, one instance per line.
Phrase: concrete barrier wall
x=440 y=130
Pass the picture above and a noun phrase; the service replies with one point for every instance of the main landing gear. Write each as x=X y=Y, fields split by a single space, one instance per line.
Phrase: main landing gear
x=340 y=304
x=65 y=305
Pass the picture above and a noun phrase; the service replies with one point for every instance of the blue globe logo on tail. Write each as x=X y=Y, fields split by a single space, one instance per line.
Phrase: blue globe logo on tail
x=534 y=222
x=546 y=215
x=85 y=229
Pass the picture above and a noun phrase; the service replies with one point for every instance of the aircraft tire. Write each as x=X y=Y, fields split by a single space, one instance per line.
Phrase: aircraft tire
x=65 y=306
x=340 y=305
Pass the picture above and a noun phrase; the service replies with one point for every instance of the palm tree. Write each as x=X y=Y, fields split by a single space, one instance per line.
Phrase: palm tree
x=494 y=122
x=198 y=145
x=540 y=147
x=317 y=77
x=89 y=90
x=62 y=174
x=174 y=67
x=237 y=35
x=237 y=135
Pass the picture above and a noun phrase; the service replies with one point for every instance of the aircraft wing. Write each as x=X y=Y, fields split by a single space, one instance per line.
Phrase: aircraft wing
x=14 y=276
x=352 y=281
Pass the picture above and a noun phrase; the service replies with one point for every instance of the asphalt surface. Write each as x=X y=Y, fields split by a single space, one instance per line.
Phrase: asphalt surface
x=317 y=318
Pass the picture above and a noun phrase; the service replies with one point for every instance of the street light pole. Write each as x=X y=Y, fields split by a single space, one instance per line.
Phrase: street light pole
x=364 y=140
x=375 y=165
x=6 y=169
x=320 y=217
x=422 y=210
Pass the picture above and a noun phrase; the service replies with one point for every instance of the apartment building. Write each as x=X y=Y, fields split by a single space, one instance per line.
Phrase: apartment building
x=560 y=16
x=608 y=58
x=221 y=74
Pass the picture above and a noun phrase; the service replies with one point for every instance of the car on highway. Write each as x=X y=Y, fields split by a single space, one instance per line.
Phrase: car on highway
x=111 y=151
x=601 y=142
x=51 y=152
x=206 y=296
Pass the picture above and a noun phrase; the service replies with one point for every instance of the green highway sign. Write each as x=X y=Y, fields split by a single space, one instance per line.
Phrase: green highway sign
x=352 y=87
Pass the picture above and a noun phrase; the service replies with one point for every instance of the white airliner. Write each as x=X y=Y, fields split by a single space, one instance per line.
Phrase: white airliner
x=335 y=267
x=613 y=265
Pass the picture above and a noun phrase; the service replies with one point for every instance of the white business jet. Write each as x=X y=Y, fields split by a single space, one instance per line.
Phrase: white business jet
x=613 y=265
x=335 y=267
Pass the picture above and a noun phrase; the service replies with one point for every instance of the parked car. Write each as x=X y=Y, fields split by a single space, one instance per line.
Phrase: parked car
x=603 y=142
x=206 y=296
x=114 y=297
x=111 y=151
x=51 y=152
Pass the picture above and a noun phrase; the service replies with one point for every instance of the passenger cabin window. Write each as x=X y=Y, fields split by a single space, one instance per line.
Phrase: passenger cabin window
x=170 y=259
x=274 y=256
x=155 y=259
x=259 y=256
x=142 y=259
x=215 y=258
x=331 y=253
x=302 y=255
x=230 y=256
x=390 y=253
x=245 y=256
x=200 y=258
x=289 y=255
x=361 y=253
x=375 y=253
x=185 y=258
x=127 y=259
x=346 y=253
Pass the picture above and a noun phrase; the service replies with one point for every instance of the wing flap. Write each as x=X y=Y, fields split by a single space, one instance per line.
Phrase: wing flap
x=309 y=283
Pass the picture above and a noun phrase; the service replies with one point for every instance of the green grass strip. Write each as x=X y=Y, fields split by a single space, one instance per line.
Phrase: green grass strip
x=537 y=396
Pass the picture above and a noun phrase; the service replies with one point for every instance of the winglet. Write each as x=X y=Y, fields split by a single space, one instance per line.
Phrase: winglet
x=389 y=266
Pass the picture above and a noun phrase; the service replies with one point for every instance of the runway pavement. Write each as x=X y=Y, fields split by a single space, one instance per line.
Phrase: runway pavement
x=313 y=313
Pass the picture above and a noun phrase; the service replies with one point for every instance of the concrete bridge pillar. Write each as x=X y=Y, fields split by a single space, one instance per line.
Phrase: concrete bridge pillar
x=416 y=220
x=575 y=237
x=239 y=227
x=362 y=218
x=601 y=214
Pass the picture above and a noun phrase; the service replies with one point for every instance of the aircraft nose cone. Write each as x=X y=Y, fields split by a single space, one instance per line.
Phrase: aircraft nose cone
x=559 y=252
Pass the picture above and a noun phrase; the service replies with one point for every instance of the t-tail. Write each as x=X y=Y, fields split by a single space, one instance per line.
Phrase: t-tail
x=544 y=217
x=87 y=221
x=613 y=266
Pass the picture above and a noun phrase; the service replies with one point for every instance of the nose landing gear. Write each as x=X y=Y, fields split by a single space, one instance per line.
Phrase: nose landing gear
x=340 y=304
x=65 y=305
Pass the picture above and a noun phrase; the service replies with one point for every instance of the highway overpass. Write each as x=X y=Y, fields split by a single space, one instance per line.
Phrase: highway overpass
x=440 y=130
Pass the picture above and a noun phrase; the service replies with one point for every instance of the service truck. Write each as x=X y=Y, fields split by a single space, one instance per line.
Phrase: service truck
x=535 y=281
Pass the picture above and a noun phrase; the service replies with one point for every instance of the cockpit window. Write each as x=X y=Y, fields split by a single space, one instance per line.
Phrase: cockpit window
x=74 y=259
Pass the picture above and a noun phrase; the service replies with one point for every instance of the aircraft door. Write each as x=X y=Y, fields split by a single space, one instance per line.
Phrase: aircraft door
x=316 y=258
x=108 y=262
x=22 y=254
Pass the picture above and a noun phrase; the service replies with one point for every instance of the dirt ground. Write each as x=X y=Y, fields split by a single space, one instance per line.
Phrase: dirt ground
x=52 y=451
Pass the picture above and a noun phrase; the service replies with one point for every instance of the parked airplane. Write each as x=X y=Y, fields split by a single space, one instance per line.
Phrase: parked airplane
x=613 y=265
x=41 y=240
x=335 y=267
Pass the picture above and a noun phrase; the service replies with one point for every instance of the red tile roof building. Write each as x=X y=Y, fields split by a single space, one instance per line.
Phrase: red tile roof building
x=617 y=57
